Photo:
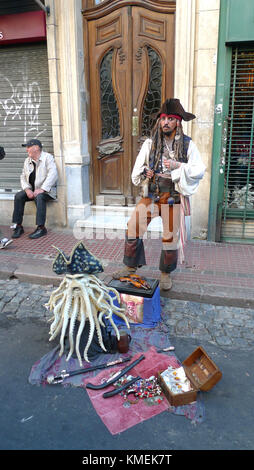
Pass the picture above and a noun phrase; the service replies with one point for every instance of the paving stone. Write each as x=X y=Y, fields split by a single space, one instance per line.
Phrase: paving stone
x=223 y=341
x=227 y=326
x=241 y=343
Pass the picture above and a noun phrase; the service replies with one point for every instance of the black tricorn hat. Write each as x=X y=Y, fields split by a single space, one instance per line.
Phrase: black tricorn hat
x=173 y=106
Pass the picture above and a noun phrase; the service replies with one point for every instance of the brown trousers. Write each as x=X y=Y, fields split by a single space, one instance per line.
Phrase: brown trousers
x=145 y=211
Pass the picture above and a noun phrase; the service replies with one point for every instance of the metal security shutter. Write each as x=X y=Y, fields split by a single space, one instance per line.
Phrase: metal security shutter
x=24 y=107
x=238 y=207
x=8 y=7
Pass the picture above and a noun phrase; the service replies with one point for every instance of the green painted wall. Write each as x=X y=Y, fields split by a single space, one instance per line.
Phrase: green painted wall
x=240 y=21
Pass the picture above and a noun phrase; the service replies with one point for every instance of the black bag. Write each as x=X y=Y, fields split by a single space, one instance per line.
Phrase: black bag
x=109 y=341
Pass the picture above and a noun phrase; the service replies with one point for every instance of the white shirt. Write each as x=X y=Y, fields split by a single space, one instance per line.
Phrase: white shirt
x=186 y=177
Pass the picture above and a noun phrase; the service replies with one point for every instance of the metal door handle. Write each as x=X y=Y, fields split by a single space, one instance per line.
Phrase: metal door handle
x=135 y=126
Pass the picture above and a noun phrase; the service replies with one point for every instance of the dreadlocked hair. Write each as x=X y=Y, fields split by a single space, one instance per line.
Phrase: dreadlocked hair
x=157 y=145
x=178 y=145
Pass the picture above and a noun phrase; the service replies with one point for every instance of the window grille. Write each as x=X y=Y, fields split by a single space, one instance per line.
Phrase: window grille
x=238 y=205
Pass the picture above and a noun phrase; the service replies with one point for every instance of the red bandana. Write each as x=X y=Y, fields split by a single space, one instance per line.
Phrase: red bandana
x=171 y=115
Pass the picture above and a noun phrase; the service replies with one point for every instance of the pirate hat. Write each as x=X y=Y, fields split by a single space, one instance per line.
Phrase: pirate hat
x=80 y=261
x=174 y=107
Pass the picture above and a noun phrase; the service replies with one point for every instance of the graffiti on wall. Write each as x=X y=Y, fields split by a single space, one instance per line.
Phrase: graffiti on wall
x=19 y=110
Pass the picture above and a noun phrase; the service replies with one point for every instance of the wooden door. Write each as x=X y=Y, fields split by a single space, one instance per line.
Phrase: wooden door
x=131 y=61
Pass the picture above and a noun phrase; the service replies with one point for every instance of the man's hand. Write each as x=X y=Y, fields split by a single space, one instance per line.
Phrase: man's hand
x=149 y=173
x=38 y=191
x=29 y=194
x=171 y=164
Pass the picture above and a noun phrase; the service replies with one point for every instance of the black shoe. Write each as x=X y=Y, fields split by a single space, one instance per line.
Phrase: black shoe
x=39 y=232
x=17 y=232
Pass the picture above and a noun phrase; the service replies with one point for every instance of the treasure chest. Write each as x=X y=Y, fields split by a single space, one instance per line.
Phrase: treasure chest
x=201 y=373
x=142 y=306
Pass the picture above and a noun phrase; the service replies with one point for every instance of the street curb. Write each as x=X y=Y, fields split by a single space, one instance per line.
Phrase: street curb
x=39 y=271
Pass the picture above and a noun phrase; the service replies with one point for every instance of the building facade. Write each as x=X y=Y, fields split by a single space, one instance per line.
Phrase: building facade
x=89 y=84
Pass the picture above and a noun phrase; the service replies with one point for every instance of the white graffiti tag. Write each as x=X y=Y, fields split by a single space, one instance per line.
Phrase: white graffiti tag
x=23 y=105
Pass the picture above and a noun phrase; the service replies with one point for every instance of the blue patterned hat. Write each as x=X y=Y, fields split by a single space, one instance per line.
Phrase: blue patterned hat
x=81 y=261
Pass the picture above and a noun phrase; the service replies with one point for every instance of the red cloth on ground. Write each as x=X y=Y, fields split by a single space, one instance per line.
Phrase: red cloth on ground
x=114 y=415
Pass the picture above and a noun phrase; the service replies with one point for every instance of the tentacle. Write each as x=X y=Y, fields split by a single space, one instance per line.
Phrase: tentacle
x=99 y=292
x=97 y=326
x=66 y=311
x=57 y=291
x=58 y=328
x=89 y=312
x=114 y=309
x=56 y=298
x=114 y=327
x=76 y=306
x=94 y=281
x=101 y=312
x=106 y=289
x=57 y=313
x=53 y=300
x=121 y=315
x=102 y=299
x=81 y=327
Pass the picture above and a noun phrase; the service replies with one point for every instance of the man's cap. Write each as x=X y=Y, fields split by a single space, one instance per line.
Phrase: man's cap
x=174 y=107
x=33 y=142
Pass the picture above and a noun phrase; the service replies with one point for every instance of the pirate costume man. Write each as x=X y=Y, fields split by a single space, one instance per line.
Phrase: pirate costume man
x=169 y=169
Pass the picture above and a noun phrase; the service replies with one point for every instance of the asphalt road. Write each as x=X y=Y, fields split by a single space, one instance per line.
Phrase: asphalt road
x=63 y=418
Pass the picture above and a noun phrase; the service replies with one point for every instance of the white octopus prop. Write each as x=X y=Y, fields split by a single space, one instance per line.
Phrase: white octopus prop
x=82 y=297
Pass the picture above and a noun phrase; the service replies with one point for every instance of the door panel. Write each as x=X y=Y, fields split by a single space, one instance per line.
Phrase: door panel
x=108 y=85
x=131 y=56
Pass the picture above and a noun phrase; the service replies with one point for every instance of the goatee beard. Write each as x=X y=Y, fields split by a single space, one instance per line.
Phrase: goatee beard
x=167 y=132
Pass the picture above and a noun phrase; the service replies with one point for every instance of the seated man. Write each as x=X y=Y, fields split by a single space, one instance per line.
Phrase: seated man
x=38 y=183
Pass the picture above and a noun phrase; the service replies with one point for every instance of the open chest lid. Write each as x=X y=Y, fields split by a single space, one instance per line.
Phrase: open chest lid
x=201 y=370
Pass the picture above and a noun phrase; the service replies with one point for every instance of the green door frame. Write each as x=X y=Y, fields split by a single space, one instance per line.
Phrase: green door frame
x=235 y=26
x=220 y=128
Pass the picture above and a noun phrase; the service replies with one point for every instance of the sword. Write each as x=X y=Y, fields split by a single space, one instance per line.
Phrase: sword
x=51 y=379
x=117 y=376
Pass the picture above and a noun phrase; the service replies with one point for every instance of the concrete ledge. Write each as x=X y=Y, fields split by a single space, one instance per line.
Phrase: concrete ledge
x=37 y=272
x=230 y=296
x=7 y=269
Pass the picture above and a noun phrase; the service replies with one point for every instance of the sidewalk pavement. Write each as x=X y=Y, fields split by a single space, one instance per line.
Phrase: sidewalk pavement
x=216 y=273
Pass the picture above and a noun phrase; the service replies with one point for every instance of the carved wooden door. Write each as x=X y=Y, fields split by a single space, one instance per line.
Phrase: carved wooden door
x=131 y=61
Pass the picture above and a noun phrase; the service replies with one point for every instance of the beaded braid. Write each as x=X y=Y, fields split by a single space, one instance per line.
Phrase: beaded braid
x=178 y=143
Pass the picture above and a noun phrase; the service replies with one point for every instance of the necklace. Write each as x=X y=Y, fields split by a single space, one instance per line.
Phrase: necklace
x=171 y=155
x=169 y=148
